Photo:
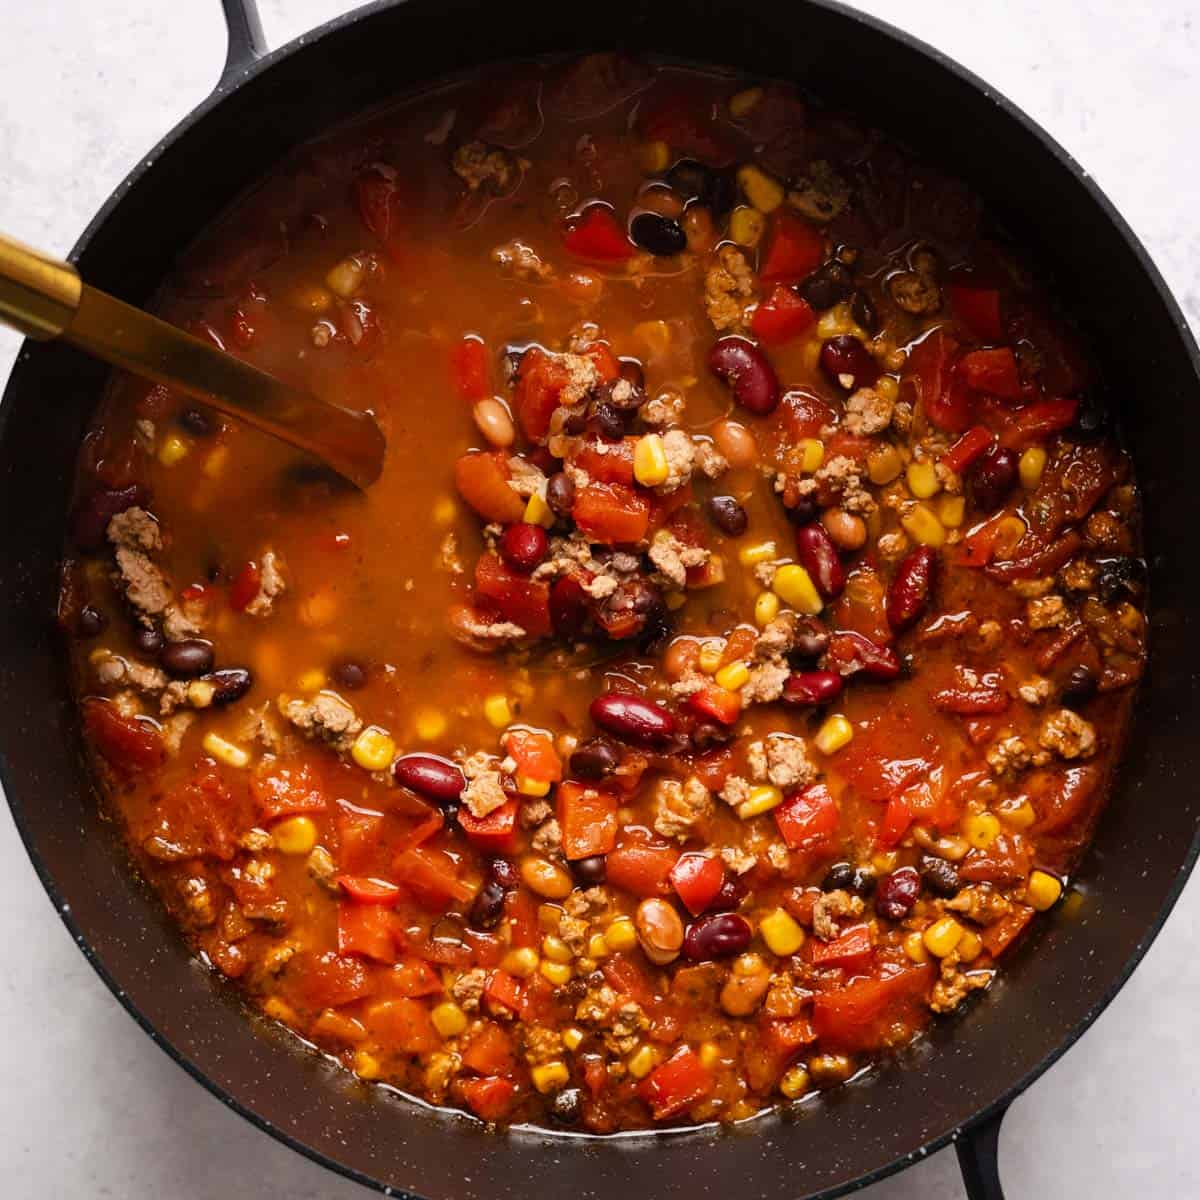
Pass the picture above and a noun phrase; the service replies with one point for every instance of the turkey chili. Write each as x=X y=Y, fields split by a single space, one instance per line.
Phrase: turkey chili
x=731 y=661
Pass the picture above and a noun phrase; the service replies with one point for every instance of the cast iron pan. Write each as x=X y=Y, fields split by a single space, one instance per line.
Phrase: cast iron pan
x=960 y=1079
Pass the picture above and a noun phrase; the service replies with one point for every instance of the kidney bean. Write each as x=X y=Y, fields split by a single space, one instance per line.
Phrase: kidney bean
x=505 y=873
x=148 y=641
x=897 y=893
x=89 y=521
x=992 y=476
x=591 y=870
x=568 y=607
x=348 y=674
x=632 y=719
x=812 y=687
x=731 y=894
x=231 y=683
x=743 y=366
x=850 y=653
x=911 y=587
x=1079 y=687
x=560 y=494
x=727 y=515
x=524 y=546
x=829 y=284
x=488 y=907
x=594 y=759
x=939 y=876
x=660 y=235
x=848 y=363
x=92 y=622
x=819 y=557
x=437 y=779
x=187 y=659
x=721 y=935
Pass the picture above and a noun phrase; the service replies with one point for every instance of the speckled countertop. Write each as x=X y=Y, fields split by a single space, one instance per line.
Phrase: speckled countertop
x=88 y=1106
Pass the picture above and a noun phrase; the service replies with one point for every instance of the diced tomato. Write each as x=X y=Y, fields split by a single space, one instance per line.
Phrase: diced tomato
x=202 y=816
x=971 y=446
x=535 y=755
x=1062 y=796
x=782 y=316
x=673 y=1087
x=428 y=822
x=852 y=950
x=897 y=817
x=714 y=767
x=367 y=929
x=697 y=878
x=1007 y=860
x=588 y=819
x=978 y=308
x=1039 y=421
x=611 y=513
x=595 y=1074
x=414 y=977
x=999 y=936
x=489 y=1097
x=979 y=546
x=841 y=444
x=520 y=910
x=490 y=1051
x=641 y=864
x=432 y=877
x=541 y=377
x=244 y=586
x=366 y=890
x=948 y=402
x=327 y=980
x=598 y=235
x=381 y=208
x=864 y=1015
x=496 y=833
x=716 y=703
x=780 y=1043
x=470 y=368
x=604 y=360
x=127 y=744
x=287 y=791
x=613 y=465
x=800 y=902
x=993 y=371
x=503 y=991
x=628 y=976
x=806 y=818
x=794 y=250
x=481 y=477
x=403 y=1025
x=517 y=598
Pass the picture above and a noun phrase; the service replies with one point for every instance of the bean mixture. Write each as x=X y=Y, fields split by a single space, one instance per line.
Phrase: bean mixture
x=729 y=664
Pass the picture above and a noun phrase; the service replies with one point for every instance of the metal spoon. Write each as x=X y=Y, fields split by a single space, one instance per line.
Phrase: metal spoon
x=44 y=298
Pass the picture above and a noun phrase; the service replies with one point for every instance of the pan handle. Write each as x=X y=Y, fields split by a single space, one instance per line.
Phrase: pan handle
x=978 y=1149
x=246 y=41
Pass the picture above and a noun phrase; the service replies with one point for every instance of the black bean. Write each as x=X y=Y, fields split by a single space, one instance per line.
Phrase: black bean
x=863 y=312
x=92 y=622
x=727 y=514
x=148 y=641
x=632 y=372
x=1091 y=418
x=591 y=870
x=695 y=181
x=939 y=876
x=660 y=235
x=488 y=907
x=1079 y=687
x=804 y=511
x=838 y=878
x=231 y=684
x=829 y=284
x=811 y=639
x=560 y=494
x=575 y=424
x=567 y=1106
x=197 y=421
x=188 y=658
x=1119 y=577
x=503 y=872
x=594 y=759
x=862 y=882
x=348 y=674
x=608 y=422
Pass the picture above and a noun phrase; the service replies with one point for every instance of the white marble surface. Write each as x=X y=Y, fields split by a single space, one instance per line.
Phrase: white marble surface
x=87 y=1105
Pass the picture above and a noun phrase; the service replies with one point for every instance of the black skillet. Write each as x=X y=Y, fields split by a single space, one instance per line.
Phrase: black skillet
x=968 y=1070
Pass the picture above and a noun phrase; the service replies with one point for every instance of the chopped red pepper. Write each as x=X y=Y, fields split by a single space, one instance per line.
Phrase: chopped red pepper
x=970 y=447
x=535 y=755
x=516 y=597
x=597 y=235
x=697 y=878
x=794 y=250
x=244 y=586
x=807 y=818
x=852 y=950
x=489 y=1097
x=978 y=308
x=862 y=1016
x=481 y=477
x=366 y=890
x=496 y=833
x=1039 y=421
x=993 y=371
x=587 y=817
x=611 y=513
x=716 y=703
x=367 y=929
x=673 y=1087
x=897 y=817
x=782 y=316
x=469 y=366
x=432 y=877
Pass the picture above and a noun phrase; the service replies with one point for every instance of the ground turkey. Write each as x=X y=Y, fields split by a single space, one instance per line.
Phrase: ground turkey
x=468 y=988
x=479 y=165
x=673 y=558
x=484 y=791
x=867 y=412
x=679 y=807
x=522 y=261
x=326 y=717
x=271 y=585
x=781 y=759
x=1068 y=735
x=728 y=288
x=134 y=534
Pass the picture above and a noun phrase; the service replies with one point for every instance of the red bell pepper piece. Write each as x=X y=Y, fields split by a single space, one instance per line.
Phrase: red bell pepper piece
x=628 y=977
x=413 y=977
x=496 y=833
x=490 y=1052
x=368 y=930
x=863 y=1015
x=1039 y=421
x=489 y=1097
x=971 y=446
x=365 y=890
x=852 y=950
x=597 y=235
x=431 y=876
x=403 y=1024
x=697 y=878
x=807 y=818
x=947 y=401
x=127 y=744
x=503 y=990
x=897 y=817
x=781 y=317
x=244 y=586
x=794 y=250
x=673 y=1087
x=517 y=598
x=716 y=703
x=535 y=754
x=641 y=866
x=469 y=366
x=611 y=513
x=614 y=465
x=993 y=371
x=978 y=308
x=327 y=980
x=587 y=817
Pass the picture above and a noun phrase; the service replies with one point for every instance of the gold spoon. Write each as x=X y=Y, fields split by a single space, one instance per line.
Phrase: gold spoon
x=44 y=298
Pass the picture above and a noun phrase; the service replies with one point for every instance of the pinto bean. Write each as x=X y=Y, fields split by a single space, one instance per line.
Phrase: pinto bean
x=911 y=587
x=736 y=443
x=819 y=557
x=848 y=531
x=435 y=778
x=659 y=930
x=746 y=369
x=632 y=719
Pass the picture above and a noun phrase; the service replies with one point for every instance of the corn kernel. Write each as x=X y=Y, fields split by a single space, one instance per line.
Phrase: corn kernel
x=650 y=466
x=642 y=1061
x=498 y=711
x=558 y=974
x=733 y=676
x=200 y=693
x=1031 y=466
x=520 y=963
x=1020 y=815
x=951 y=510
x=311 y=681
x=884 y=464
x=766 y=609
x=812 y=454
x=914 y=947
x=430 y=725
x=585 y=966
x=1043 y=890
x=922 y=526
x=761 y=799
x=555 y=949
x=373 y=749
x=346 y=277
x=172 y=450
x=223 y=751
x=942 y=936
x=835 y=733
x=795 y=1083
x=748 y=964
x=654 y=157
x=970 y=946
x=744 y=102
x=980 y=829
x=765 y=193
x=793 y=585
x=750 y=556
x=532 y=787
x=621 y=935
x=572 y=1038
x=279 y=1010
x=366 y=1066
x=597 y=947
x=922 y=480
x=448 y=1019
x=781 y=933
x=444 y=510
x=710 y=657
x=538 y=512
x=295 y=835
x=746 y=225
x=710 y=1054
x=885 y=862
x=550 y=1077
